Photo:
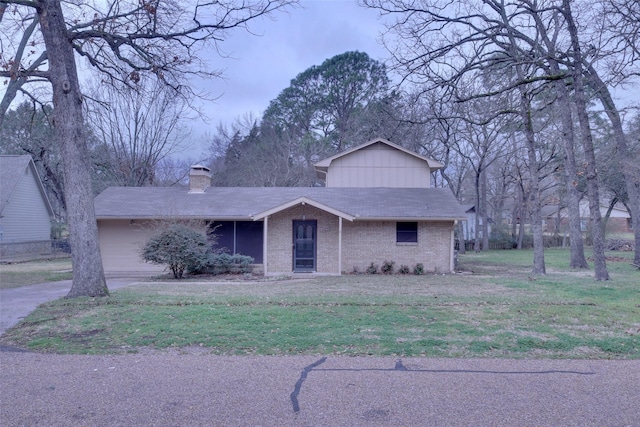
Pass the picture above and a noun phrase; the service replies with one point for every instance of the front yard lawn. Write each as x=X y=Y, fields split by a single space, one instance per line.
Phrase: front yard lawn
x=495 y=309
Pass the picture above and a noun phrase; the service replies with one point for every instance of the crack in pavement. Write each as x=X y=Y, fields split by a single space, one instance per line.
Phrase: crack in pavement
x=399 y=366
x=303 y=376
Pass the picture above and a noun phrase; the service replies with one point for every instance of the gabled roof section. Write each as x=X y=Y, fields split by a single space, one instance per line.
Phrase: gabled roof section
x=11 y=170
x=323 y=165
x=302 y=201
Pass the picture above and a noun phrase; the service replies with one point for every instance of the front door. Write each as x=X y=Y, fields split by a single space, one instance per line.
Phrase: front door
x=304 y=246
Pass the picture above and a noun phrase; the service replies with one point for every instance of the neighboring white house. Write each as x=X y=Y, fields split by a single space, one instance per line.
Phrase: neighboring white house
x=25 y=211
x=469 y=226
x=377 y=206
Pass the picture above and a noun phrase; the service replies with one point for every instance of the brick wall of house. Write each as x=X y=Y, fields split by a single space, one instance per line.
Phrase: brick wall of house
x=362 y=243
x=280 y=239
x=366 y=242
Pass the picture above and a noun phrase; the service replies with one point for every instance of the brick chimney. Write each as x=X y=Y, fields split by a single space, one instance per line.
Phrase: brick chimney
x=199 y=179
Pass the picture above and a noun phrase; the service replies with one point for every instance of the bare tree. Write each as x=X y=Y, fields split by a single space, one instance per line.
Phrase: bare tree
x=597 y=229
x=438 y=45
x=540 y=41
x=121 y=40
x=139 y=128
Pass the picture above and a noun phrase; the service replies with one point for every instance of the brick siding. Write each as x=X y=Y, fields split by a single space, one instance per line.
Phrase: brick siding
x=366 y=242
x=280 y=239
x=363 y=242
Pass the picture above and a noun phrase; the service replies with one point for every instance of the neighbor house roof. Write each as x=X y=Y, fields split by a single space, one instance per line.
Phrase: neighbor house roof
x=324 y=164
x=12 y=169
x=250 y=203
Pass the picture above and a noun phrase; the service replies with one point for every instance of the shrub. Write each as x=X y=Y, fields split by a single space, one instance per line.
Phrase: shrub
x=418 y=269
x=224 y=263
x=387 y=267
x=404 y=269
x=241 y=263
x=372 y=269
x=178 y=247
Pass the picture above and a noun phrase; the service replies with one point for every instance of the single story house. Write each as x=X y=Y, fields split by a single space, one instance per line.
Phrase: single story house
x=377 y=206
x=557 y=218
x=25 y=211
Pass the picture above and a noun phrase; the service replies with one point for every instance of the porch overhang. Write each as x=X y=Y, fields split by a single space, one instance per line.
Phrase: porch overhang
x=302 y=201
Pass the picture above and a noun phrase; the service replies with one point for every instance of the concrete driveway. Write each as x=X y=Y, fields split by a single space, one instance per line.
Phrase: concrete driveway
x=16 y=303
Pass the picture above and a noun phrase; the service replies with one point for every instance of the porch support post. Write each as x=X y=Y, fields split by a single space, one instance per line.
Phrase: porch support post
x=339 y=245
x=265 y=244
x=453 y=248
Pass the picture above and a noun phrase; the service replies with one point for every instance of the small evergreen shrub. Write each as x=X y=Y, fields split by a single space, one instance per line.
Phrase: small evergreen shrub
x=418 y=269
x=224 y=263
x=179 y=248
x=387 y=267
x=372 y=269
x=404 y=269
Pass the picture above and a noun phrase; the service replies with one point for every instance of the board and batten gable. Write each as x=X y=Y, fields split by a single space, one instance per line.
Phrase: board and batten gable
x=378 y=163
x=26 y=212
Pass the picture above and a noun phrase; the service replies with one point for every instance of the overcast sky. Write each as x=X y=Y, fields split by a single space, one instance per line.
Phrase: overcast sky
x=263 y=64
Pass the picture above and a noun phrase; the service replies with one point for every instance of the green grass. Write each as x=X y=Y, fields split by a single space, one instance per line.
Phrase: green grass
x=499 y=310
x=33 y=272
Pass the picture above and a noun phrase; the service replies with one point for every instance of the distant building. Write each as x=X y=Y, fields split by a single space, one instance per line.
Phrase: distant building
x=469 y=226
x=556 y=218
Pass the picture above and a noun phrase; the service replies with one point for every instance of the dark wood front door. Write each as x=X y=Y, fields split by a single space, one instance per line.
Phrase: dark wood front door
x=304 y=246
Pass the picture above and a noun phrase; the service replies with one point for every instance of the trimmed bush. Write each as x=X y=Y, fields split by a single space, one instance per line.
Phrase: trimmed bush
x=179 y=248
x=387 y=267
x=418 y=269
x=404 y=269
x=225 y=263
x=372 y=269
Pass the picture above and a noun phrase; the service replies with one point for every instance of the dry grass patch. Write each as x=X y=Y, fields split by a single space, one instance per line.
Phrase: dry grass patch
x=17 y=274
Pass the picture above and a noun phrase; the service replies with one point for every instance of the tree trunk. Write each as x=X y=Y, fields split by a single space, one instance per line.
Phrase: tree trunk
x=576 y=243
x=88 y=275
x=522 y=215
x=631 y=181
x=601 y=272
x=514 y=222
x=534 y=193
x=478 y=213
x=485 y=216
x=461 y=239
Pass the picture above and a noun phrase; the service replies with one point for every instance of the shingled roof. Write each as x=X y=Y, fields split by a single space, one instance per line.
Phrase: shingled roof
x=250 y=203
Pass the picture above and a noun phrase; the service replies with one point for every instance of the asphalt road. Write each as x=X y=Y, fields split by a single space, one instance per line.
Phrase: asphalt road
x=203 y=390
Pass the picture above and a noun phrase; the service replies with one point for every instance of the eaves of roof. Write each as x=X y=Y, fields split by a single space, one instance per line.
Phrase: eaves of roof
x=303 y=201
x=357 y=204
